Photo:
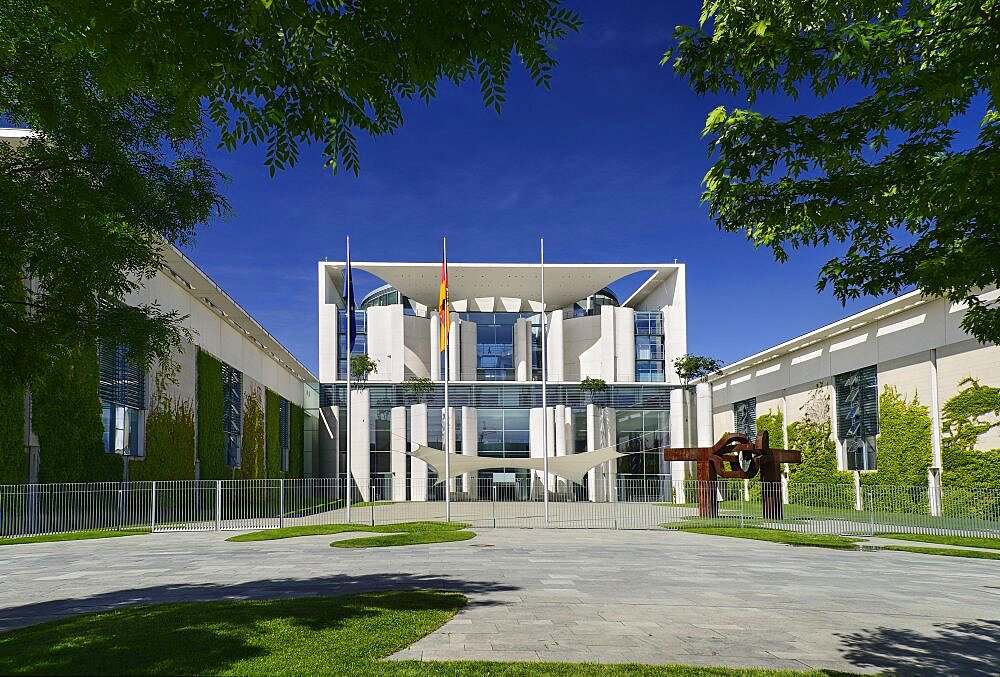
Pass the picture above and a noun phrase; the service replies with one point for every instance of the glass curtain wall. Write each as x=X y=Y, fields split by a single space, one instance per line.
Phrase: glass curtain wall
x=642 y=434
x=649 y=354
x=360 y=342
x=504 y=433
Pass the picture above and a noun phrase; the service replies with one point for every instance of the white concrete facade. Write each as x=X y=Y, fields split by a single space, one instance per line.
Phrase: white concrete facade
x=590 y=334
x=915 y=343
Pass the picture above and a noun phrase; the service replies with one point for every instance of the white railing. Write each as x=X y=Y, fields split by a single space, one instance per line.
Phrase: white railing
x=626 y=503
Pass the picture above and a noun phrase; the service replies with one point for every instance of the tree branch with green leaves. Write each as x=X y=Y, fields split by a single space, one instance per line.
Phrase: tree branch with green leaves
x=888 y=177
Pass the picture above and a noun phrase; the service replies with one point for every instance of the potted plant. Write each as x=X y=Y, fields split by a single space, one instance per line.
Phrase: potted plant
x=361 y=367
x=590 y=386
x=419 y=387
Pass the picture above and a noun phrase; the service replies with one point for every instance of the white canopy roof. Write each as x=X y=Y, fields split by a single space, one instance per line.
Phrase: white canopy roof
x=496 y=287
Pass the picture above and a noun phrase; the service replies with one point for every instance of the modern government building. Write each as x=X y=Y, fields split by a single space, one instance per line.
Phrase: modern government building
x=237 y=404
x=495 y=376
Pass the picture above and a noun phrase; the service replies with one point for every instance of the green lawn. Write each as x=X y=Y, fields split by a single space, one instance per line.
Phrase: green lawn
x=964 y=541
x=72 y=536
x=327 y=529
x=303 y=636
x=776 y=536
x=411 y=538
x=950 y=552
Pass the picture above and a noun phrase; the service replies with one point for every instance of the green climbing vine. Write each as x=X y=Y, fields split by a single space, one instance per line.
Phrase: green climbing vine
x=965 y=417
x=296 y=442
x=816 y=481
x=253 y=460
x=169 y=453
x=903 y=449
x=67 y=419
x=211 y=446
x=272 y=428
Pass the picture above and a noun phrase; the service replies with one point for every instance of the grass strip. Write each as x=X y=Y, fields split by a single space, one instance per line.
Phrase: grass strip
x=327 y=529
x=413 y=538
x=72 y=536
x=776 y=536
x=298 y=636
x=964 y=541
x=950 y=552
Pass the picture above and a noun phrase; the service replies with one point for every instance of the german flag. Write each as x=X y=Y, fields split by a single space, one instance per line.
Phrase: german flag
x=443 y=312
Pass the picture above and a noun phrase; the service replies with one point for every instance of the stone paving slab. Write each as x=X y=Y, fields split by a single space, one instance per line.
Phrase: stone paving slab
x=570 y=595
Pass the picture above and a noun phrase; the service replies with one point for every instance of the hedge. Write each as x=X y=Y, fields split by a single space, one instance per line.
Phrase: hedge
x=211 y=442
x=66 y=416
x=272 y=442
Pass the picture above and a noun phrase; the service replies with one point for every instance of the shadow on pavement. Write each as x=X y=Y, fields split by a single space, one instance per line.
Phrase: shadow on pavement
x=31 y=614
x=970 y=648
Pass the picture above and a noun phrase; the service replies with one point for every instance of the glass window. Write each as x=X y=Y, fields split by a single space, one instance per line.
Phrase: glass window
x=641 y=434
x=232 y=414
x=857 y=416
x=649 y=351
x=745 y=418
x=122 y=390
x=360 y=340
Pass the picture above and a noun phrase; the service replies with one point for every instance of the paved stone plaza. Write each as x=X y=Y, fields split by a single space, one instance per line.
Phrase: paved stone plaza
x=571 y=595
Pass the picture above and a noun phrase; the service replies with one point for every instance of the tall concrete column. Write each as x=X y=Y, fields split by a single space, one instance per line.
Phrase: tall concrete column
x=448 y=435
x=555 y=358
x=624 y=345
x=470 y=447
x=469 y=333
x=522 y=349
x=435 y=362
x=934 y=472
x=361 y=443
x=418 y=468
x=559 y=442
x=703 y=411
x=455 y=351
x=678 y=440
x=601 y=433
x=607 y=344
x=329 y=443
x=397 y=455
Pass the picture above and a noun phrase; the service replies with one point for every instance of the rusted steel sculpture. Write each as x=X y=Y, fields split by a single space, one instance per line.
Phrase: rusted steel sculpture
x=734 y=456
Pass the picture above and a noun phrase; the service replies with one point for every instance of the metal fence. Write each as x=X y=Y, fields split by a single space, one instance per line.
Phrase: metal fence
x=635 y=503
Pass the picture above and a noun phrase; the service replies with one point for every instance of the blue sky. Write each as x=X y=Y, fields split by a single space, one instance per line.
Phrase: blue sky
x=607 y=166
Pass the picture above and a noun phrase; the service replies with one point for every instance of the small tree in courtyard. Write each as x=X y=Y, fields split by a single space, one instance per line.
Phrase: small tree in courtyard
x=695 y=366
x=361 y=367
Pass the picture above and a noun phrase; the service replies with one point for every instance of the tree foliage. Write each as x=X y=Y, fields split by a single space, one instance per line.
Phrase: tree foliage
x=695 y=366
x=419 y=387
x=124 y=95
x=361 y=367
x=887 y=174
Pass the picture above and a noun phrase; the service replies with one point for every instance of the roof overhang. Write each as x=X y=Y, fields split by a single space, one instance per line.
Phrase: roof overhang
x=512 y=287
x=199 y=285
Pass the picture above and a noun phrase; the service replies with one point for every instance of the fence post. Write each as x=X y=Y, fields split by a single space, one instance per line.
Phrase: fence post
x=373 y=512
x=494 y=506
x=742 y=496
x=614 y=511
x=152 y=511
x=218 y=505
x=871 y=511
x=281 y=503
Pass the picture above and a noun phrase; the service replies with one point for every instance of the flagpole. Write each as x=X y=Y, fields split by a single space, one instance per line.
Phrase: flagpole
x=348 y=292
x=447 y=410
x=545 y=381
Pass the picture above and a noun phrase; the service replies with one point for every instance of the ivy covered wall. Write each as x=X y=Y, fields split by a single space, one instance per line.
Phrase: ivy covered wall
x=169 y=441
x=974 y=410
x=253 y=460
x=296 y=421
x=211 y=443
x=67 y=419
x=903 y=449
x=13 y=459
